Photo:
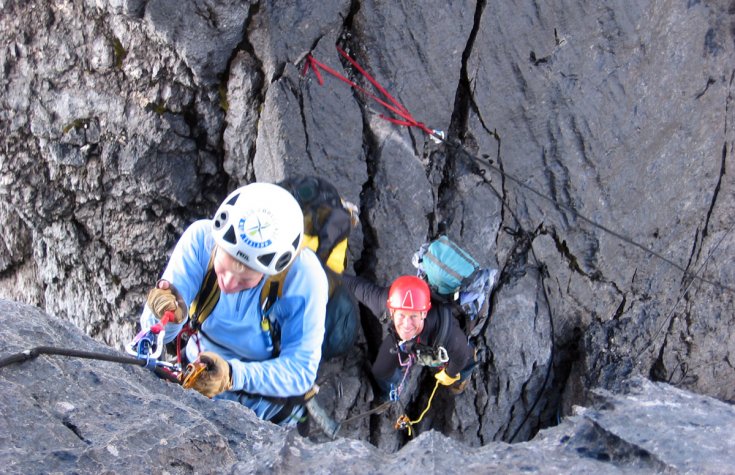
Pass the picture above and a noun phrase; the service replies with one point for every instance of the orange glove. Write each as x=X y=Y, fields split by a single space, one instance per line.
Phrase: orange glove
x=216 y=376
x=163 y=297
x=445 y=379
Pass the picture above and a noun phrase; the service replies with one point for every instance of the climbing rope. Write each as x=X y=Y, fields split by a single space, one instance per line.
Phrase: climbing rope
x=395 y=392
x=404 y=422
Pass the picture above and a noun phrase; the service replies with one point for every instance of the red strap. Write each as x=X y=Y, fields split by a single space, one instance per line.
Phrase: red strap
x=393 y=105
x=187 y=331
x=168 y=316
x=375 y=83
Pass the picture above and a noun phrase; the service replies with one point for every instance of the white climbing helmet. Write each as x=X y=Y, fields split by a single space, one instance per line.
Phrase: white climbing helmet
x=260 y=225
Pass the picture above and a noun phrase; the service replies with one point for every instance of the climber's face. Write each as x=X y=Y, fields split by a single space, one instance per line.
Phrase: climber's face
x=232 y=275
x=408 y=323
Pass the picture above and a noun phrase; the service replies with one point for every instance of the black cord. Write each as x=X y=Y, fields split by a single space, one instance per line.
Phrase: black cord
x=577 y=215
x=50 y=350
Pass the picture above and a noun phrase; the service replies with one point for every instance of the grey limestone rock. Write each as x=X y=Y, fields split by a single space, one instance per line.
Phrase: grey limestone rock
x=63 y=414
x=586 y=157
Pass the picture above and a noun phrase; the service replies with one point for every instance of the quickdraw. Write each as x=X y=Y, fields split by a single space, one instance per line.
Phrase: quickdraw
x=148 y=346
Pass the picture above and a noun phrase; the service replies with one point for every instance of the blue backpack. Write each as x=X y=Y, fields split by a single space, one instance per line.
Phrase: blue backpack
x=455 y=277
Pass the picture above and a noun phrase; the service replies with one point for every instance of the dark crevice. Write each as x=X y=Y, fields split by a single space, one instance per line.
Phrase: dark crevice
x=546 y=403
x=716 y=192
x=620 y=310
x=701 y=234
x=710 y=81
x=365 y=265
x=302 y=113
x=457 y=131
x=566 y=253
x=72 y=427
x=257 y=96
x=658 y=368
x=463 y=100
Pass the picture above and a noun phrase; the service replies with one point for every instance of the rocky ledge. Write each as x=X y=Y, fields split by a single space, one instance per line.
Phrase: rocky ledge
x=64 y=414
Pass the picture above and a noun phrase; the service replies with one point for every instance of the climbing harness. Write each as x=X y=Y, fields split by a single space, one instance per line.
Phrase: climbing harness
x=404 y=423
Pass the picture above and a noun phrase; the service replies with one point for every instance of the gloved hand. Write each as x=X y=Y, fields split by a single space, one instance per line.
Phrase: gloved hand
x=216 y=376
x=164 y=296
x=445 y=379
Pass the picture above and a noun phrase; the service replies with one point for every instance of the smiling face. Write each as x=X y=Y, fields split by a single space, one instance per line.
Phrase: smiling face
x=408 y=323
x=232 y=275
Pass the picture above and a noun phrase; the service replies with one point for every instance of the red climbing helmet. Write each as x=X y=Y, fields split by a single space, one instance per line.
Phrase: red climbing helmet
x=409 y=292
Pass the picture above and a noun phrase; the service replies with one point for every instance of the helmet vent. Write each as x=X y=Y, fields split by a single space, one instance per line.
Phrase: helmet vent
x=408 y=300
x=283 y=261
x=233 y=200
x=220 y=220
x=230 y=236
x=295 y=243
x=266 y=259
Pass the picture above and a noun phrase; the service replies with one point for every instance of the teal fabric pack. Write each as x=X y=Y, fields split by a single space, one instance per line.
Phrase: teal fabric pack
x=447 y=266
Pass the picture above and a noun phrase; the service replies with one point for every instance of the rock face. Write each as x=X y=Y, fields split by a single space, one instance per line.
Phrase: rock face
x=64 y=415
x=586 y=157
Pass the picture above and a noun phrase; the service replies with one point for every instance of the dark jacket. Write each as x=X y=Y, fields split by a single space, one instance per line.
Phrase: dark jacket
x=375 y=297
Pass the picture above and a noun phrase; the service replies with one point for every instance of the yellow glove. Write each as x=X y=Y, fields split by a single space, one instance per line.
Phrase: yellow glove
x=445 y=379
x=163 y=297
x=215 y=378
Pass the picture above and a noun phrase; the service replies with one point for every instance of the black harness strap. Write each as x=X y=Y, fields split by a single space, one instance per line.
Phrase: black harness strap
x=268 y=324
x=445 y=316
x=288 y=403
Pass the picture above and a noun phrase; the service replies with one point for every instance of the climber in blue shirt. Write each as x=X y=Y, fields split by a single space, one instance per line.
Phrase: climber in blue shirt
x=256 y=232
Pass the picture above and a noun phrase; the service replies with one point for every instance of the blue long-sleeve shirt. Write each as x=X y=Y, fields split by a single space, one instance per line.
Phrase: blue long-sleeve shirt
x=233 y=328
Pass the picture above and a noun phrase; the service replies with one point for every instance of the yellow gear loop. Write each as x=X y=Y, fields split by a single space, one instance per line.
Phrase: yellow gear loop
x=404 y=422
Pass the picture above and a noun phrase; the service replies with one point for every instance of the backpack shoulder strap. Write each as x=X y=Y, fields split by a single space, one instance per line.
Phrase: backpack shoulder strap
x=206 y=298
x=269 y=294
x=272 y=289
x=445 y=315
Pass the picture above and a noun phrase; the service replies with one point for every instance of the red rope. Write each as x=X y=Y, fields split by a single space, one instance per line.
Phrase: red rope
x=389 y=102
